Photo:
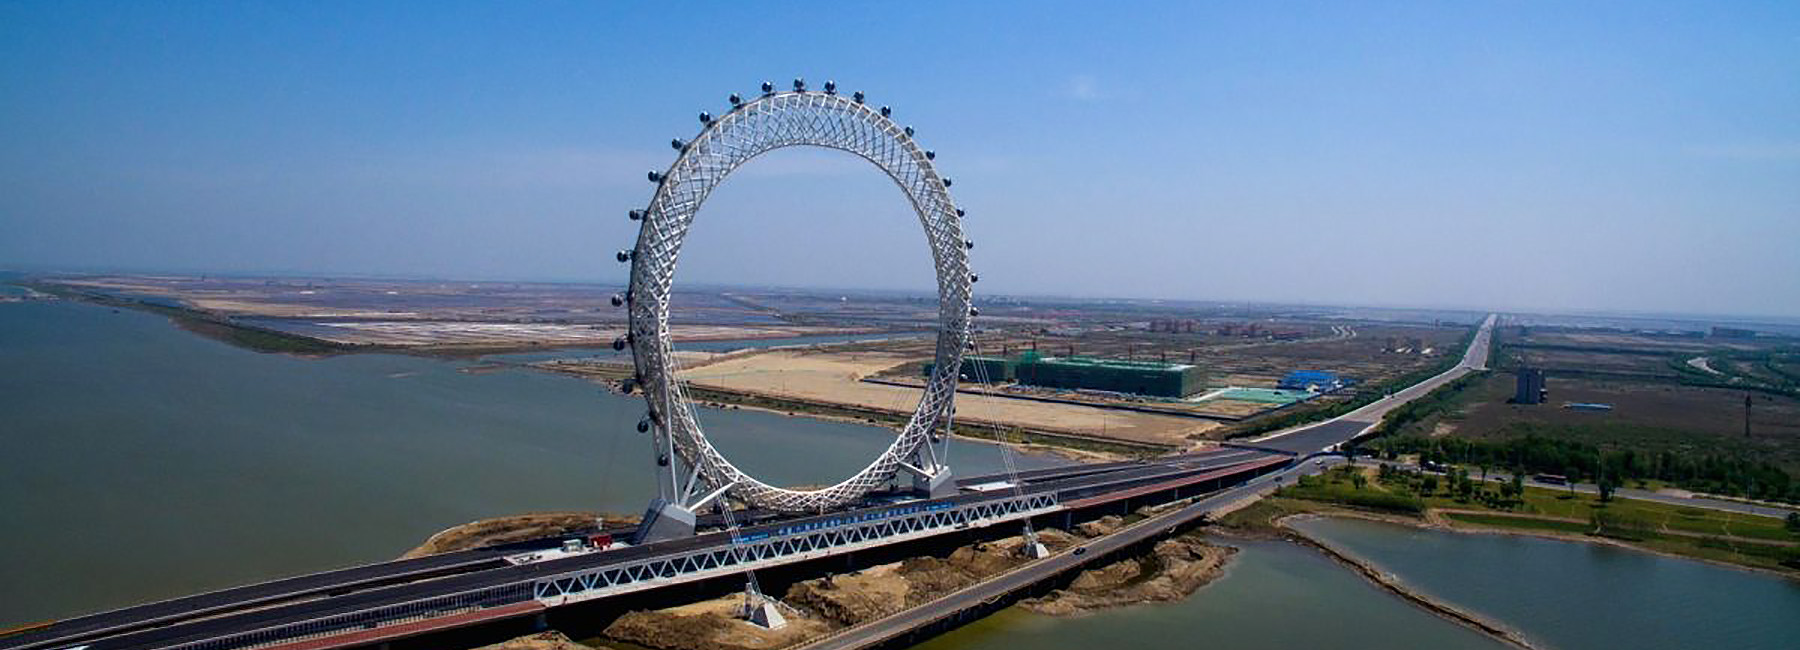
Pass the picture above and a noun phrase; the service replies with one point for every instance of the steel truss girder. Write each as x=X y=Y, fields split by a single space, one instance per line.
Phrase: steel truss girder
x=651 y=573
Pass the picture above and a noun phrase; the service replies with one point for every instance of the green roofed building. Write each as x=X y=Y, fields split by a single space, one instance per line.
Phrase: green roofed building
x=1091 y=373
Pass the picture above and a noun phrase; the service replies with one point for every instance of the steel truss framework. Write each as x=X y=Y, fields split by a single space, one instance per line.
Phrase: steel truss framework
x=651 y=573
x=782 y=549
x=691 y=472
x=368 y=619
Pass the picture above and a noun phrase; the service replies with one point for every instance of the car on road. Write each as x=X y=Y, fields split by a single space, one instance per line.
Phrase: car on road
x=1080 y=549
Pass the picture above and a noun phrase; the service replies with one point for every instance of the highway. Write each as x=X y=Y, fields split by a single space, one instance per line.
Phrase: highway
x=216 y=615
x=1321 y=436
x=881 y=630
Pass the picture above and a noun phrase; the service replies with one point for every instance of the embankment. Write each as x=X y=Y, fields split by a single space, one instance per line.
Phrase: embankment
x=513 y=528
x=1393 y=584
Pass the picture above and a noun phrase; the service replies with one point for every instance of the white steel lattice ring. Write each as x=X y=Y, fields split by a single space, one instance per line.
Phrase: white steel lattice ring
x=770 y=122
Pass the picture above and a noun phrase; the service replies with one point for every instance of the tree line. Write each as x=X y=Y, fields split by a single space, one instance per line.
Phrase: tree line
x=1730 y=475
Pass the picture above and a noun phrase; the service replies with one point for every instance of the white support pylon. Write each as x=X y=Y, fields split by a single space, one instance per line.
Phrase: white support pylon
x=761 y=610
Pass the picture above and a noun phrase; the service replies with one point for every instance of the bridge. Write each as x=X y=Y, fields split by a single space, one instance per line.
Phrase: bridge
x=711 y=520
x=394 y=600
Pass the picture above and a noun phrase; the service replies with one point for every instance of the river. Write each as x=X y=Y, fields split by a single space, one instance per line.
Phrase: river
x=1273 y=595
x=144 y=462
x=1561 y=595
x=1578 y=596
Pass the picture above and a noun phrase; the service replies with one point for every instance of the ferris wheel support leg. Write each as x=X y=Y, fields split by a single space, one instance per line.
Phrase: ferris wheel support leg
x=936 y=482
x=665 y=520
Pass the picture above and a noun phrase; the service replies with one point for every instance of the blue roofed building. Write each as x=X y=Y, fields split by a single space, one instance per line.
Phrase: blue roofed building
x=1317 y=381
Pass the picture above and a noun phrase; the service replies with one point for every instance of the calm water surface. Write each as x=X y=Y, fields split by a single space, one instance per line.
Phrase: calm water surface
x=1575 y=596
x=143 y=462
x=1275 y=595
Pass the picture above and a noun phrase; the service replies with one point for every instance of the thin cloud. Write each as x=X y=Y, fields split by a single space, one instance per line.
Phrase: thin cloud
x=1084 y=88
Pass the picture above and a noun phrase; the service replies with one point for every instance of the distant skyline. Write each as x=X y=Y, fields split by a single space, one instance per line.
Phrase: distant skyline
x=1632 y=158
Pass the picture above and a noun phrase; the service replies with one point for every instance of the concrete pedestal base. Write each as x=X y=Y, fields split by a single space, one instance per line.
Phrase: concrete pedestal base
x=766 y=616
x=664 y=521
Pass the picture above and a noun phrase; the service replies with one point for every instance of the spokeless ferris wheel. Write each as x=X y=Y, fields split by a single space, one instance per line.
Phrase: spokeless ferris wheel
x=691 y=473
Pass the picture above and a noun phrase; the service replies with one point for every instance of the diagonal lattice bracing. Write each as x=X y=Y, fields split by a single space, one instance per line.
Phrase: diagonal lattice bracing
x=764 y=124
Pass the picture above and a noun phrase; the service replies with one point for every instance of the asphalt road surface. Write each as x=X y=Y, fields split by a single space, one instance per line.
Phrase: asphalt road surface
x=1322 y=436
x=879 y=630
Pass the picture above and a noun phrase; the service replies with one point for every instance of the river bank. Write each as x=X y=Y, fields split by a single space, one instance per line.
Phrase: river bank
x=1070 y=444
x=513 y=528
x=265 y=466
x=1399 y=588
x=1294 y=520
x=1740 y=540
x=1566 y=594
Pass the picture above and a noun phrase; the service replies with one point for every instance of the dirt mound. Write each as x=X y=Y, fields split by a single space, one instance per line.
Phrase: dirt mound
x=516 y=528
x=661 y=629
x=551 y=640
x=712 y=624
x=1103 y=526
x=1174 y=569
x=854 y=598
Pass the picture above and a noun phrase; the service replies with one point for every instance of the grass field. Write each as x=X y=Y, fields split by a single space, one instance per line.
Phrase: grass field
x=1748 y=540
x=1556 y=503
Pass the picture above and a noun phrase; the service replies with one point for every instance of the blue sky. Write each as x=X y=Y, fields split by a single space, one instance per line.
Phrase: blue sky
x=1631 y=156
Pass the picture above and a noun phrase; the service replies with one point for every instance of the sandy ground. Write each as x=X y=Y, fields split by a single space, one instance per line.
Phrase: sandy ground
x=1175 y=569
x=835 y=377
x=711 y=624
x=551 y=640
x=514 y=528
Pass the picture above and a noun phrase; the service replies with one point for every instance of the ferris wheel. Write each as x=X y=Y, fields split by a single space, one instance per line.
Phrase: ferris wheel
x=691 y=472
